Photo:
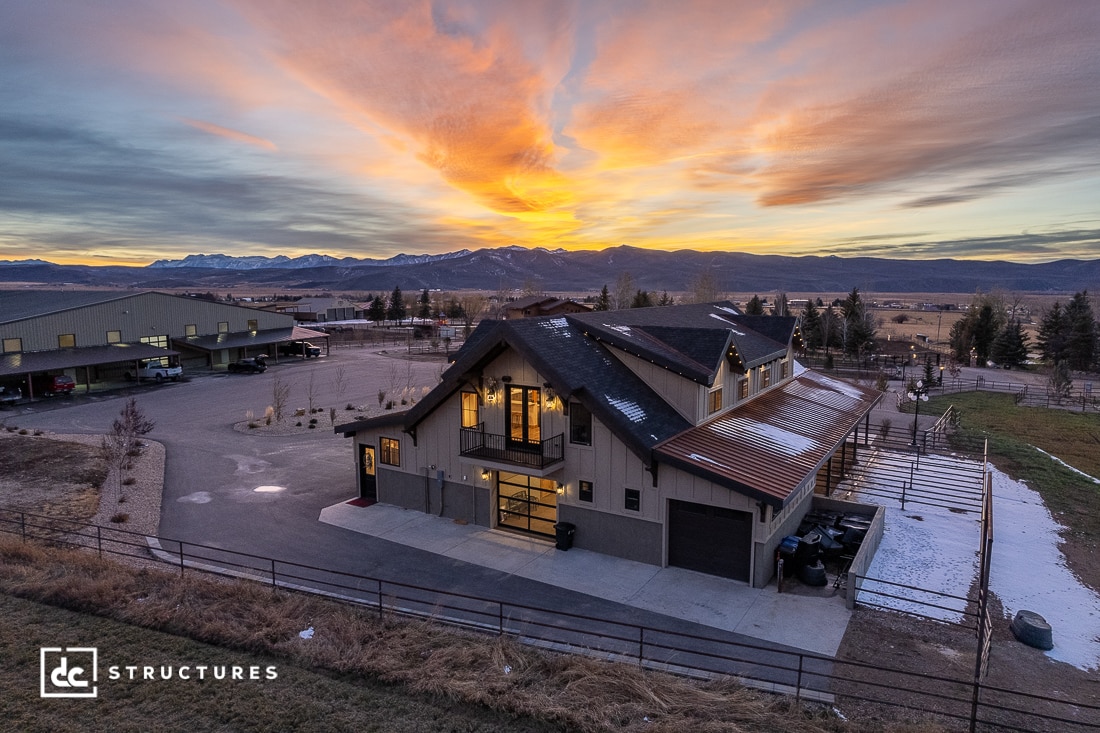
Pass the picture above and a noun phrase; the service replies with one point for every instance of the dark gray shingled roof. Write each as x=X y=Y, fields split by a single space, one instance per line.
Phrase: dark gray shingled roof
x=576 y=367
x=691 y=339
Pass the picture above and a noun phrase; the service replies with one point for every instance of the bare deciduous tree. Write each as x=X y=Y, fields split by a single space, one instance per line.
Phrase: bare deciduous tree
x=122 y=442
x=280 y=393
x=339 y=381
x=311 y=390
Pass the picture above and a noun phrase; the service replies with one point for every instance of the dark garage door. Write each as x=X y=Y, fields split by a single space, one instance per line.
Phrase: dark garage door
x=710 y=539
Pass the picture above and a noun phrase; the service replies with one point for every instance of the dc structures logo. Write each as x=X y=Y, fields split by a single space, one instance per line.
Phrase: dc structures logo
x=68 y=671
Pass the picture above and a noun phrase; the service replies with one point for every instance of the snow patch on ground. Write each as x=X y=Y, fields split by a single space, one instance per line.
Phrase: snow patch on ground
x=937 y=550
x=1029 y=573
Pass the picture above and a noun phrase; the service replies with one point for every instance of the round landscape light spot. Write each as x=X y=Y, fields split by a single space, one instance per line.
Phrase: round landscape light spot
x=269 y=489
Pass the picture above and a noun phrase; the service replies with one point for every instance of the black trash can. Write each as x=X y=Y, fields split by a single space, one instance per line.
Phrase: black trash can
x=563 y=535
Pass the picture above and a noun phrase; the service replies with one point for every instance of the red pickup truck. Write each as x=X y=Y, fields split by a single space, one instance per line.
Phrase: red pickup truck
x=48 y=385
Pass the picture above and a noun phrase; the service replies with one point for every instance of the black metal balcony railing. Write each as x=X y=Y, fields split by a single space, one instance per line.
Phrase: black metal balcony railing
x=475 y=442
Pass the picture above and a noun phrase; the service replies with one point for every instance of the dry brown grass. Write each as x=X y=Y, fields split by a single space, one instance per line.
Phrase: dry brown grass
x=576 y=692
x=54 y=478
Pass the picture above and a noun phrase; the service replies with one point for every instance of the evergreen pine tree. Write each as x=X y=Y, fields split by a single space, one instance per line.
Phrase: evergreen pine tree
x=396 y=309
x=377 y=310
x=641 y=300
x=755 y=307
x=1010 y=347
x=1080 y=332
x=603 y=303
x=425 y=309
x=811 y=327
x=1052 y=334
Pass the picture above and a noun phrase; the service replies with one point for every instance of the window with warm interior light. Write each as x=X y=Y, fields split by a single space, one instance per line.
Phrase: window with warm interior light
x=114 y=337
x=390 y=451
x=469 y=410
x=223 y=326
x=13 y=345
x=66 y=340
x=190 y=330
x=714 y=401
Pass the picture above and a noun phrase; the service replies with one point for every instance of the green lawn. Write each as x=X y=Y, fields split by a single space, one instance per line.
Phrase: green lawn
x=1014 y=433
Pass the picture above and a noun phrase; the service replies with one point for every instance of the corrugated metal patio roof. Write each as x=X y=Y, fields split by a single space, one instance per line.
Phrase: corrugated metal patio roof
x=767 y=447
x=242 y=339
x=44 y=361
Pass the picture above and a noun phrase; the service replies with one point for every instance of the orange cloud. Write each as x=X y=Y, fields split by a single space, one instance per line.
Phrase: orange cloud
x=457 y=85
x=1002 y=105
x=229 y=134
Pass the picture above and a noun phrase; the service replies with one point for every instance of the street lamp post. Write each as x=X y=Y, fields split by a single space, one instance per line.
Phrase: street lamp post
x=918 y=394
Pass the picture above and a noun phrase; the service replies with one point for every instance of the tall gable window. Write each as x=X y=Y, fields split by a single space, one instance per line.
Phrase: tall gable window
x=784 y=369
x=469 y=410
x=765 y=376
x=743 y=388
x=523 y=410
x=580 y=424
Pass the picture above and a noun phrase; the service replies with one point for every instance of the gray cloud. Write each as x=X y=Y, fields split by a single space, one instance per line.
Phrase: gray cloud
x=126 y=193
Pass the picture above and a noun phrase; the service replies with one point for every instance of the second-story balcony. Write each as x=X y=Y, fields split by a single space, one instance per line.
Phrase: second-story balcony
x=475 y=442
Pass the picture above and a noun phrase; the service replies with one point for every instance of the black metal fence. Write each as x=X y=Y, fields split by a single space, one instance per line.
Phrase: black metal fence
x=957 y=701
x=476 y=443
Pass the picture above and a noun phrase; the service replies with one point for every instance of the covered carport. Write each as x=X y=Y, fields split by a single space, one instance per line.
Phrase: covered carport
x=221 y=348
x=83 y=364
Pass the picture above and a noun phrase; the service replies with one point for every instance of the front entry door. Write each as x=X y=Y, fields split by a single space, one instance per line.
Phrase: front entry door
x=368 y=482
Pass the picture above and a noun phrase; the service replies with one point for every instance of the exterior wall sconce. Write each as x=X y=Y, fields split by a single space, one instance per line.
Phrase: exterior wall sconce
x=491 y=390
x=560 y=487
x=485 y=474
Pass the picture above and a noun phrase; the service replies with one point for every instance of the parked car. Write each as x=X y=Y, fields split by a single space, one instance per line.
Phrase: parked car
x=10 y=395
x=299 y=348
x=157 y=369
x=48 y=385
x=251 y=365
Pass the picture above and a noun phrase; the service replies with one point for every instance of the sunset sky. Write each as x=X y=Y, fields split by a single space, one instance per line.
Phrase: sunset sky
x=138 y=130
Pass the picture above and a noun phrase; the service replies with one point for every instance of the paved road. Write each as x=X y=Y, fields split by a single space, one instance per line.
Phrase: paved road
x=212 y=472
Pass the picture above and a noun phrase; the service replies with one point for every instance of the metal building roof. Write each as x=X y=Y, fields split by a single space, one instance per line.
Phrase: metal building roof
x=43 y=361
x=242 y=339
x=767 y=447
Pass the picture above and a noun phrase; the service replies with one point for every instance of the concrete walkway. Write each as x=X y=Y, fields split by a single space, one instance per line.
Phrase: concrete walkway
x=813 y=619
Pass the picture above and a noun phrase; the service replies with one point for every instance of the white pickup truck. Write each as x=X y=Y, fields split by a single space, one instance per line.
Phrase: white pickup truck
x=158 y=369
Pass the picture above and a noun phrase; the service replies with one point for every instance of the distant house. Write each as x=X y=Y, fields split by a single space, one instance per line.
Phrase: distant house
x=99 y=336
x=676 y=435
x=541 y=305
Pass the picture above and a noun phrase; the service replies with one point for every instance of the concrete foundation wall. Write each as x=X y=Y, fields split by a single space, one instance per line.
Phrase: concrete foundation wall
x=764 y=556
x=610 y=534
x=415 y=491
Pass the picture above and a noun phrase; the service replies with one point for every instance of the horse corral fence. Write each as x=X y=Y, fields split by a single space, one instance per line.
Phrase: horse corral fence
x=956 y=701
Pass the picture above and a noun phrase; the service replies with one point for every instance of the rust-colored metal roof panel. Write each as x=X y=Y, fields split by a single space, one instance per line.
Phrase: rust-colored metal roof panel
x=768 y=446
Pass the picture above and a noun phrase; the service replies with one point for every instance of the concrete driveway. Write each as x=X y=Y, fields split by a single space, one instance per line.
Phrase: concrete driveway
x=212 y=473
